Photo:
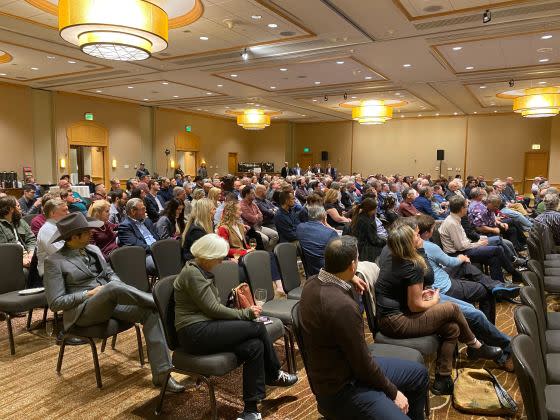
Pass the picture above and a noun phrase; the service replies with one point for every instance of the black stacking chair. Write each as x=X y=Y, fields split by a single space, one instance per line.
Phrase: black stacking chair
x=303 y=261
x=257 y=268
x=102 y=331
x=541 y=401
x=550 y=339
x=286 y=256
x=551 y=267
x=226 y=277
x=552 y=318
x=198 y=367
x=29 y=217
x=167 y=257
x=13 y=280
x=551 y=284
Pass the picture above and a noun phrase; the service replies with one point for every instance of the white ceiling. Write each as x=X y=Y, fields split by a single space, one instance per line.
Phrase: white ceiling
x=374 y=38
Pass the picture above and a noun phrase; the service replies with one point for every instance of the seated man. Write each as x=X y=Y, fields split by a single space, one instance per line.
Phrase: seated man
x=100 y=192
x=455 y=241
x=15 y=230
x=28 y=203
x=551 y=216
x=79 y=282
x=313 y=237
x=266 y=207
x=137 y=230
x=348 y=382
x=406 y=208
x=479 y=288
x=252 y=216
x=286 y=219
x=509 y=227
x=153 y=201
x=75 y=201
x=423 y=202
x=117 y=211
x=55 y=210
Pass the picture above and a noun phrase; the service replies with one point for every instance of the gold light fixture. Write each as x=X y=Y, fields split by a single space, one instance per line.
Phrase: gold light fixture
x=373 y=111
x=253 y=119
x=536 y=102
x=5 y=57
x=62 y=163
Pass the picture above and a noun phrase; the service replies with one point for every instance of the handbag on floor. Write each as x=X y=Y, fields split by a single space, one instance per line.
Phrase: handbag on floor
x=477 y=391
x=240 y=297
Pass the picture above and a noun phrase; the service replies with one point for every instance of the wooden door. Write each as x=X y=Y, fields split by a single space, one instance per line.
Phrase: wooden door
x=536 y=164
x=305 y=160
x=232 y=163
x=190 y=163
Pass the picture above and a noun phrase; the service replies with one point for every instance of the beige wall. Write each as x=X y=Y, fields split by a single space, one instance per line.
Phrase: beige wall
x=269 y=145
x=554 y=165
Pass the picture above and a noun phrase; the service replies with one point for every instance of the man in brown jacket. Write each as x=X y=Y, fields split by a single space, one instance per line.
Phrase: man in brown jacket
x=348 y=382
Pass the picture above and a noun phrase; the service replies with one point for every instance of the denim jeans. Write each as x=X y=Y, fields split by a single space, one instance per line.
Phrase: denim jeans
x=526 y=223
x=482 y=328
x=358 y=401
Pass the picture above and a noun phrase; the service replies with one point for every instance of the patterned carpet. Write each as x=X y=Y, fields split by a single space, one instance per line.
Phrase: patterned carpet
x=31 y=388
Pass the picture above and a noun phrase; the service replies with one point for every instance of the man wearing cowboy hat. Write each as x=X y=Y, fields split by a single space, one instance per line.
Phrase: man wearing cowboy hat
x=79 y=282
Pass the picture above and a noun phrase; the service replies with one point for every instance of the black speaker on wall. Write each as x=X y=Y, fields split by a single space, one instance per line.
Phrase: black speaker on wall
x=440 y=154
x=324 y=155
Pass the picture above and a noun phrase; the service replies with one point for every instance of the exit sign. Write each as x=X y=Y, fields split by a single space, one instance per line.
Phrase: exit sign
x=306 y=150
x=88 y=116
x=188 y=128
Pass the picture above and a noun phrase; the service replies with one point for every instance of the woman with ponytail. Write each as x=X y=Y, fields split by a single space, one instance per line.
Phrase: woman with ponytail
x=364 y=228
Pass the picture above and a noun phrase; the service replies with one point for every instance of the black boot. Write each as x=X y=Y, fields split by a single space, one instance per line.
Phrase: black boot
x=442 y=385
x=484 y=352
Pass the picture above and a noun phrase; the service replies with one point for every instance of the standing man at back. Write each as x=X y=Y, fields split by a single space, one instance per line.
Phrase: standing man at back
x=348 y=382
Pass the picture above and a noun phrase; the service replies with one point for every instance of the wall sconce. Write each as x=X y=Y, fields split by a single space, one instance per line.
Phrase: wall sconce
x=114 y=164
x=62 y=163
x=172 y=164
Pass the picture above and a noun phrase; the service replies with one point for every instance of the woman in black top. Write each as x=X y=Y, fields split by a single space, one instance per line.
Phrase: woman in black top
x=407 y=308
x=171 y=224
x=364 y=228
x=201 y=222
x=334 y=217
x=389 y=211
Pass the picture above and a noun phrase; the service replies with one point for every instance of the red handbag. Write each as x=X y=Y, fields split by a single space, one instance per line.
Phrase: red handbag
x=241 y=297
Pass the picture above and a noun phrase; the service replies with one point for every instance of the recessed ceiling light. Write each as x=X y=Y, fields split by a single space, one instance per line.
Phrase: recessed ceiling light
x=482 y=87
x=398 y=94
x=164 y=83
x=368 y=77
x=544 y=60
x=131 y=87
x=71 y=62
x=3 y=74
x=542 y=83
x=475 y=112
x=220 y=85
x=175 y=96
x=283 y=69
x=203 y=38
x=495 y=111
x=303 y=115
x=437 y=115
x=256 y=17
x=51 y=57
x=227 y=107
x=250 y=103
x=314 y=100
x=198 y=109
x=340 y=62
x=546 y=36
x=98 y=91
x=272 y=25
x=469 y=68
x=146 y=99
x=233 y=75
x=457 y=48
x=455 y=113
x=402 y=116
x=407 y=65
x=34 y=68
x=419 y=115
x=209 y=93
x=257 y=105
x=272 y=87
x=354 y=97
x=317 y=83
x=492 y=103
x=206 y=110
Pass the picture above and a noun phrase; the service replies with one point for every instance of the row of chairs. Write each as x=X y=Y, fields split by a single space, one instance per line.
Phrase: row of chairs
x=538 y=372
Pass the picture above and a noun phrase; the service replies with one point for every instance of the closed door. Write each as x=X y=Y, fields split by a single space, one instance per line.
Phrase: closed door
x=232 y=163
x=305 y=160
x=536 y=164
x=190 y=163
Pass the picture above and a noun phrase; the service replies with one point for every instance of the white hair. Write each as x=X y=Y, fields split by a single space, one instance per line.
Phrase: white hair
x=210 y=247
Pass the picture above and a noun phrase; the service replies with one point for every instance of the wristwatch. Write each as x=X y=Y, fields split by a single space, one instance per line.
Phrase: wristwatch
x=85 y=295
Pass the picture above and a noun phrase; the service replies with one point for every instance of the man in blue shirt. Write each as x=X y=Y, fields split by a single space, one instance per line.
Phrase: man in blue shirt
x=464 y=293
x=313 y=237
x=423 y=202
x=286 y=219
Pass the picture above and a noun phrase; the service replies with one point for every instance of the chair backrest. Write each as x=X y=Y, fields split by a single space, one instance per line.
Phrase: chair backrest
x=530 y=298
x=11 y=261
x=298 y=332
x=129 y=263
x=530 y=376
x=526 y=323
x=163 y=293
x=226 y=277
x=436 y=237
x=167 y=257
x=29 y=217
x=534 y=250
x=548 y=242
x=536 y=267
x=286 y=255
x=257 y=267
x=531 y=279
x=370 y=310
x=303 y=260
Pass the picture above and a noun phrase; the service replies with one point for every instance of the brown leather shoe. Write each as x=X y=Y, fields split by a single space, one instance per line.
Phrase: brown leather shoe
x=507 y=365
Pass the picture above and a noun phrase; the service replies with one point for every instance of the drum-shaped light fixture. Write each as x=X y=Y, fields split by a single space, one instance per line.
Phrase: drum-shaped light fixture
x=253 y=119
x=536 y=102
x=124 y=30
x=373 y=111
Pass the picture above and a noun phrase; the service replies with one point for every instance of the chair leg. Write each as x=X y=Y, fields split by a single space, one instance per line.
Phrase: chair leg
x=427 y=405
x=213 y=406
x=287 y=350
x=114 y=342
x=292 y=350
x=95 y=363
x=162 y=393
x=10 y=334
x=140 y=348
x=29 y=317
x=103 y=344
x=61 y=355
x=45 y=313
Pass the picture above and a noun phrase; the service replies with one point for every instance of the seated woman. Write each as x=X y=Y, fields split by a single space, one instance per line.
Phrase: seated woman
x=200 y=223
x=105 y=237
x=233 y=231
x=171 y=223
x=389 y=205
x=205 y=326
x=334 y=213
x=407 y=307
x=215 y=194
x=364 y=228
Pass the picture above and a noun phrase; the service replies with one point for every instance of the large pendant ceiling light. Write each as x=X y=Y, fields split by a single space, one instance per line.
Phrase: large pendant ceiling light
x=253 y=119
x=372 y=112
x=536 y=102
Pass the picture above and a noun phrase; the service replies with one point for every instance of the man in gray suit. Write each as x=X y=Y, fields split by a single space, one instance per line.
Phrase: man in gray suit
x=79 y=282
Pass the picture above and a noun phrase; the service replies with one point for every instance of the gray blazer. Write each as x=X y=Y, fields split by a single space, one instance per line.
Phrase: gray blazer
x=67 y=277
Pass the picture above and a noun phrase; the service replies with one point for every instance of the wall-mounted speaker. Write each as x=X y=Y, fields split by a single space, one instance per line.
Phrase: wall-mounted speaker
x=324 y=155
x=440 y=154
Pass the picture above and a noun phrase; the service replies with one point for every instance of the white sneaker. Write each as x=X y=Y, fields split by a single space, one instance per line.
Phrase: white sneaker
x=249 y=416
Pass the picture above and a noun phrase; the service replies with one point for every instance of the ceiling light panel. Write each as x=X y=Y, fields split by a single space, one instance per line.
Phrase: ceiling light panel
x=486 y=98
x=304 y=75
